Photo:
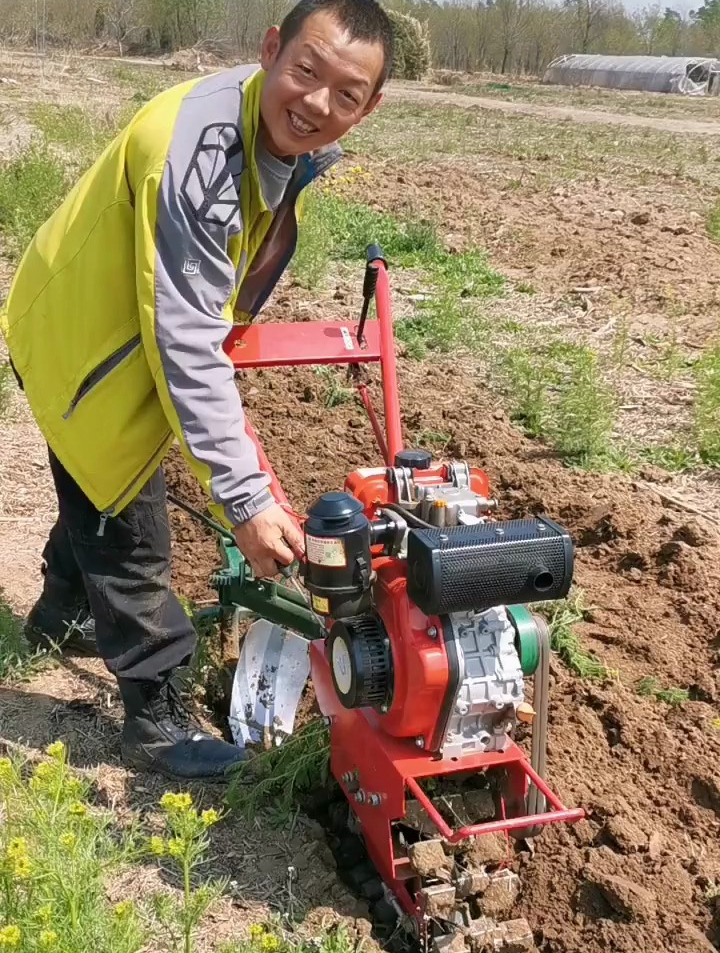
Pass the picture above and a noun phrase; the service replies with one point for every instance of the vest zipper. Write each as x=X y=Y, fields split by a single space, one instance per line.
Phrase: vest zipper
x=101 y=372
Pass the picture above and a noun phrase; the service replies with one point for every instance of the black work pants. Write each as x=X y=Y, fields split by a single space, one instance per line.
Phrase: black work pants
x=121 y=565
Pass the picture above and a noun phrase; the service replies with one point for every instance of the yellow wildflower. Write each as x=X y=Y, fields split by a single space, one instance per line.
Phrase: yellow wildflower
x=6 y=768
x=78 y=809
x=269 y=943
x=10 y=936
x=68 y=841
x=44 y=771
x=123 y=909
x=22 y=868
x=157 y=846
x=175 y=802
x=17 y=848
x=48 y=938
x=44 y=913
x=176 y=847
x=73 y=788
x=256 y=930
x=209 y=817
x=56 y=750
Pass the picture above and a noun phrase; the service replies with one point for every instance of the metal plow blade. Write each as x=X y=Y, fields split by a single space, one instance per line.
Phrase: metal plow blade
x=271 y=673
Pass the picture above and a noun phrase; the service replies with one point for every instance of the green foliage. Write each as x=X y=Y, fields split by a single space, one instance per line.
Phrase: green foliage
x=32 y=185
x=712 y=222
x=55 y=854
x=271 y=782
x=562 y=616
x=17 y=661
x=312 y=255
x=650 y=687
x=557 y=391
x=437 y=326
x=412 y=46
x=706 y=410
x=585 y=410
x=185 y=848
x=72 y=127
x=527 y=374
x=334 y=389
x=675 y=459
x=335 y=229
x=274 y=938
x=351 y=227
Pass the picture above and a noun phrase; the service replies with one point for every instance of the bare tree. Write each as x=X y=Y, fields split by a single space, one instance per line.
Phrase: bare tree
x=121 y=21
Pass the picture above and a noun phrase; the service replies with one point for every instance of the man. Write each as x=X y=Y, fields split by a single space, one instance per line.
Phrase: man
x=115 y=324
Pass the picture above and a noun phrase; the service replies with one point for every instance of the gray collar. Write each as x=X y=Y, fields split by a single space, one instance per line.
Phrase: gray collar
x=274 y=173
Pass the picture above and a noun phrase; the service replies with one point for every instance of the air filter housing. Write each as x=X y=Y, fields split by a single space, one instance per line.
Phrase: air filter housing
x=509 y=562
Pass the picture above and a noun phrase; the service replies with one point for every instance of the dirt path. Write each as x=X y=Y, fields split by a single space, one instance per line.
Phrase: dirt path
x=440 y=95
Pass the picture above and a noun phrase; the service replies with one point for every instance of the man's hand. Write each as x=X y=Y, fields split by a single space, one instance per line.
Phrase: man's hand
x=269 y=538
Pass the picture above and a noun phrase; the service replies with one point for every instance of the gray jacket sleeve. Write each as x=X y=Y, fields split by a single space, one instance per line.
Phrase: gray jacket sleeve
x=198 y=210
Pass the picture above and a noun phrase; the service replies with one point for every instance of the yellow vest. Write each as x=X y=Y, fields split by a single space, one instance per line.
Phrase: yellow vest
x=80 y=317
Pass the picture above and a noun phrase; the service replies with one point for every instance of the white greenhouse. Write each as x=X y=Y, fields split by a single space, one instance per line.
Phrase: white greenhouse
x=693 y=76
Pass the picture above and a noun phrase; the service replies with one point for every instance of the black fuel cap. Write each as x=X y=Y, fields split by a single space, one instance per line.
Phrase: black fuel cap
x=413 y=459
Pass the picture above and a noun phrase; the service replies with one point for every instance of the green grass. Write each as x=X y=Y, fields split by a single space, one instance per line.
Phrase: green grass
x=562 y=616
x=56 y=853
x=411 y=133
x=674 y=459
x=334 y=229
x=32 y=185
x=706 y=409
x=277 y=938
x=271 y=782
x=310 y=263
x=335 y=390
x=17 y=660
x=559 y=392
x=585 y=411
x=712 y=222
x=649 y=687
x=71 y=126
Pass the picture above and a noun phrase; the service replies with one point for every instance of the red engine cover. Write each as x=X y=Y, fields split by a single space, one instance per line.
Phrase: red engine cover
x=372 y=488
x=420 y=665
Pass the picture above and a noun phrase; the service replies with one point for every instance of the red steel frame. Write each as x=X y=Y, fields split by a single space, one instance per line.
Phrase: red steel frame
x=389 y=767
x=327 y=343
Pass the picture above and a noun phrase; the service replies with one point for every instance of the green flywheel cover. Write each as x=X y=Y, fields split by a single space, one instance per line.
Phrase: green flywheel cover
x=527 y=642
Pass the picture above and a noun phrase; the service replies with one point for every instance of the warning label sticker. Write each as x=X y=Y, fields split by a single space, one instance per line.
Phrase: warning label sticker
x=325 y=551
x=321 y=604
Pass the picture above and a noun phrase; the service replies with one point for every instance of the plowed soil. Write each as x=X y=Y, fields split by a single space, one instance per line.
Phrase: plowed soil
x=618 y=235
x=640 y=872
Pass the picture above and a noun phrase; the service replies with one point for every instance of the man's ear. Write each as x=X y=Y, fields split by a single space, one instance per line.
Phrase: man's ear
x=373 y=104
x=270 y=49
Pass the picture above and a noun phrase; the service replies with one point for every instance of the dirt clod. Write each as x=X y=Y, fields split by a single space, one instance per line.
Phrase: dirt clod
x=429 y=859
x=625 y=897
x=488 y=849
x=626 y=835
x=501 y=894
x=439 y=900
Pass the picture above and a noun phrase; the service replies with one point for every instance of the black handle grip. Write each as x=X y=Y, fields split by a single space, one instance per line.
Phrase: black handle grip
x=375 y=253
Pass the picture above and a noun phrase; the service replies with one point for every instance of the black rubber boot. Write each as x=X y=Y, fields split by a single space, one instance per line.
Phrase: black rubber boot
x=160 y=735
x=55 y=621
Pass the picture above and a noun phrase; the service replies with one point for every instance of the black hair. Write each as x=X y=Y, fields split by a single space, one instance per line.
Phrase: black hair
x=364 y=20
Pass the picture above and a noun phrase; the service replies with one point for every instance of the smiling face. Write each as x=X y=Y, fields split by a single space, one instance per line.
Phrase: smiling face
x=318 y=86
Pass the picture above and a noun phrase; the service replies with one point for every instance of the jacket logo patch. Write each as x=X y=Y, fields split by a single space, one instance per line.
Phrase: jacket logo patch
x=211 y=185
x=191 y=266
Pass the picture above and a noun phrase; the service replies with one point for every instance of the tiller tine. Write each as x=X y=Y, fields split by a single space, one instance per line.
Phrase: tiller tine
x=271 y=674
